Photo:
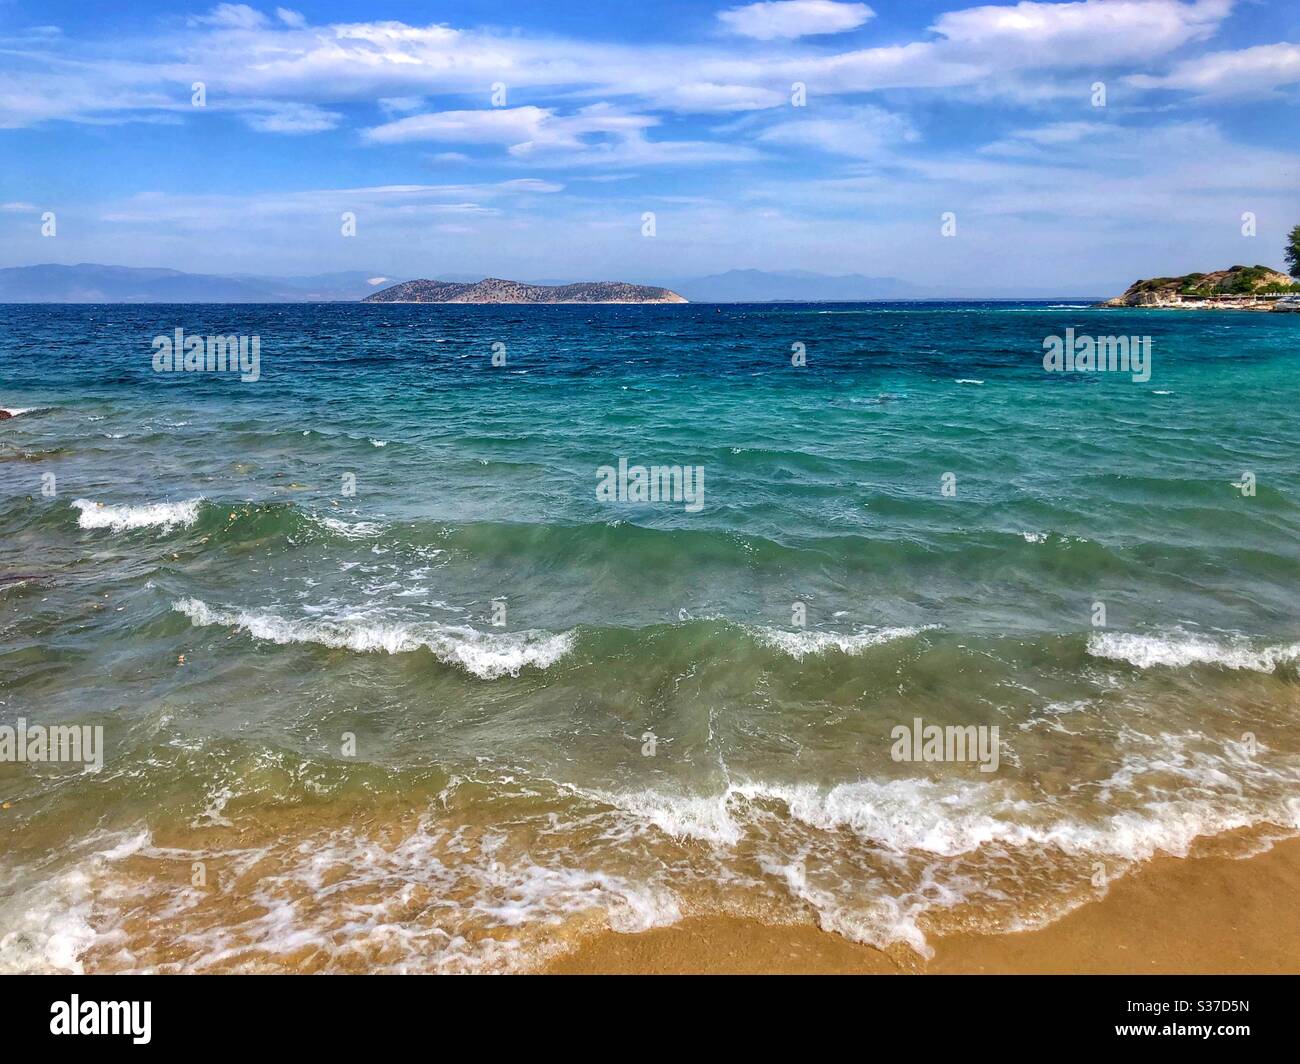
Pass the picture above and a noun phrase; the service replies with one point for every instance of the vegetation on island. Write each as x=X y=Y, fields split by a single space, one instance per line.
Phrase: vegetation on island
x=1292 y=253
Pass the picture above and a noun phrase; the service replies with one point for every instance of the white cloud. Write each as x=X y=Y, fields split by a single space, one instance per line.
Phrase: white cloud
x=498 y=125
x=375 y=202
x=292 y=118
x=524 y=130
x=794 y=18
x=599 y=134
x=700 y=97
x=1032 y=142
x=528 y=184
x=1250 y=70
x=1009 y=51
x=984 y=47
x=232 y=16
x=860 y=132
x=290 y=18
x=1087 y=32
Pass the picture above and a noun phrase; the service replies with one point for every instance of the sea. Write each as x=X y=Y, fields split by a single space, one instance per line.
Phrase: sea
x=446 y=637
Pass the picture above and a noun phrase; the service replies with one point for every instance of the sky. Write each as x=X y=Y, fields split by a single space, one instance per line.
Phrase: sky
x=1074 y=146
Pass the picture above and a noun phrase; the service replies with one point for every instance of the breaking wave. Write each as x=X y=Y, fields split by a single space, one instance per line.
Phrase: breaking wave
x=485 y=655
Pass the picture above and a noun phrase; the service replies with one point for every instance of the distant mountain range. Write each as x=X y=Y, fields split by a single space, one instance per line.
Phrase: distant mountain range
x=91 y=283
x=759 y=286
x=495 y=290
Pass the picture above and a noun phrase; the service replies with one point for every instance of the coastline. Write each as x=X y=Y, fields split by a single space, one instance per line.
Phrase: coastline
x=1258 y=307
x=1195 y=915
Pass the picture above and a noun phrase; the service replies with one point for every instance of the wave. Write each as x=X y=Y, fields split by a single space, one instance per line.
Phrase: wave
x=48 y=921
x=484 y=911
x=163 y=515
x=284 y=522
x=352 y=529
x=887 y=862
x=1179 y=650
x=278 y=527
x=802 y=643
x=485 y=655
x=490 y=655
x=924 y=847
x=952 y=818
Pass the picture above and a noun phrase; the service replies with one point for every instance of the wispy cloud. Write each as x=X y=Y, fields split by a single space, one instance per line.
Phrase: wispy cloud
x=1241 y=73
x=794 y=18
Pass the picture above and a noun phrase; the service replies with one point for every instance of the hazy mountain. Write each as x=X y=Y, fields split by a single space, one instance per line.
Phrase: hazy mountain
x=93 y=283
x=760 y=286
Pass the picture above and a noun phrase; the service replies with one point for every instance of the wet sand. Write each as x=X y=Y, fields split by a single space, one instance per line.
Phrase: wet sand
x=1199 y=915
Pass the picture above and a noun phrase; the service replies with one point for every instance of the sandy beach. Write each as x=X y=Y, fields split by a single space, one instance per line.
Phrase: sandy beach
x=1209 y=915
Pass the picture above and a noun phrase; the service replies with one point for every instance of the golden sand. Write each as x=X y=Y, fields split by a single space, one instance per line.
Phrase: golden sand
x=1200 y=915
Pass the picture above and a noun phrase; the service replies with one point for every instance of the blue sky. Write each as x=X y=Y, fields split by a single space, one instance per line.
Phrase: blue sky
x=686 y=110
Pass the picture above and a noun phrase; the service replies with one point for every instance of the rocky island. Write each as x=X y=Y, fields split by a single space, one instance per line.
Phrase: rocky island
x=495 y=290
x=1236 y=288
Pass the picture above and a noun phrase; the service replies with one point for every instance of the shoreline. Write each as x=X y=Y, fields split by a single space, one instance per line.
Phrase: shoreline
x=1200 y=915
x=1256 y=308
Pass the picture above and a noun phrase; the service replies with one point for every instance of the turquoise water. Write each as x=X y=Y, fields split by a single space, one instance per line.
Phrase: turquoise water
x=568 y=713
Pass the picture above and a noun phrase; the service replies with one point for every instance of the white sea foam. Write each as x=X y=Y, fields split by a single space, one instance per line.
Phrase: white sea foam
x=46 y=921
x=444 y=897
x=1180 y=649
x=707 y=818
x=351 y=529
x=482 y=654
x=801 y=642
x=483 y=910
x=934 y=841
x=15 y=411
x=1219 y=791
x=163 y=515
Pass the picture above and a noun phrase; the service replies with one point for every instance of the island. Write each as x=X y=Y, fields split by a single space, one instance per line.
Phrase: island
x=1236 y=288
x=495 y=290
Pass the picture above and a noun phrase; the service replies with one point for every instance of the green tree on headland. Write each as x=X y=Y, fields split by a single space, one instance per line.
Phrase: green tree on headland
x=1293 y=253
